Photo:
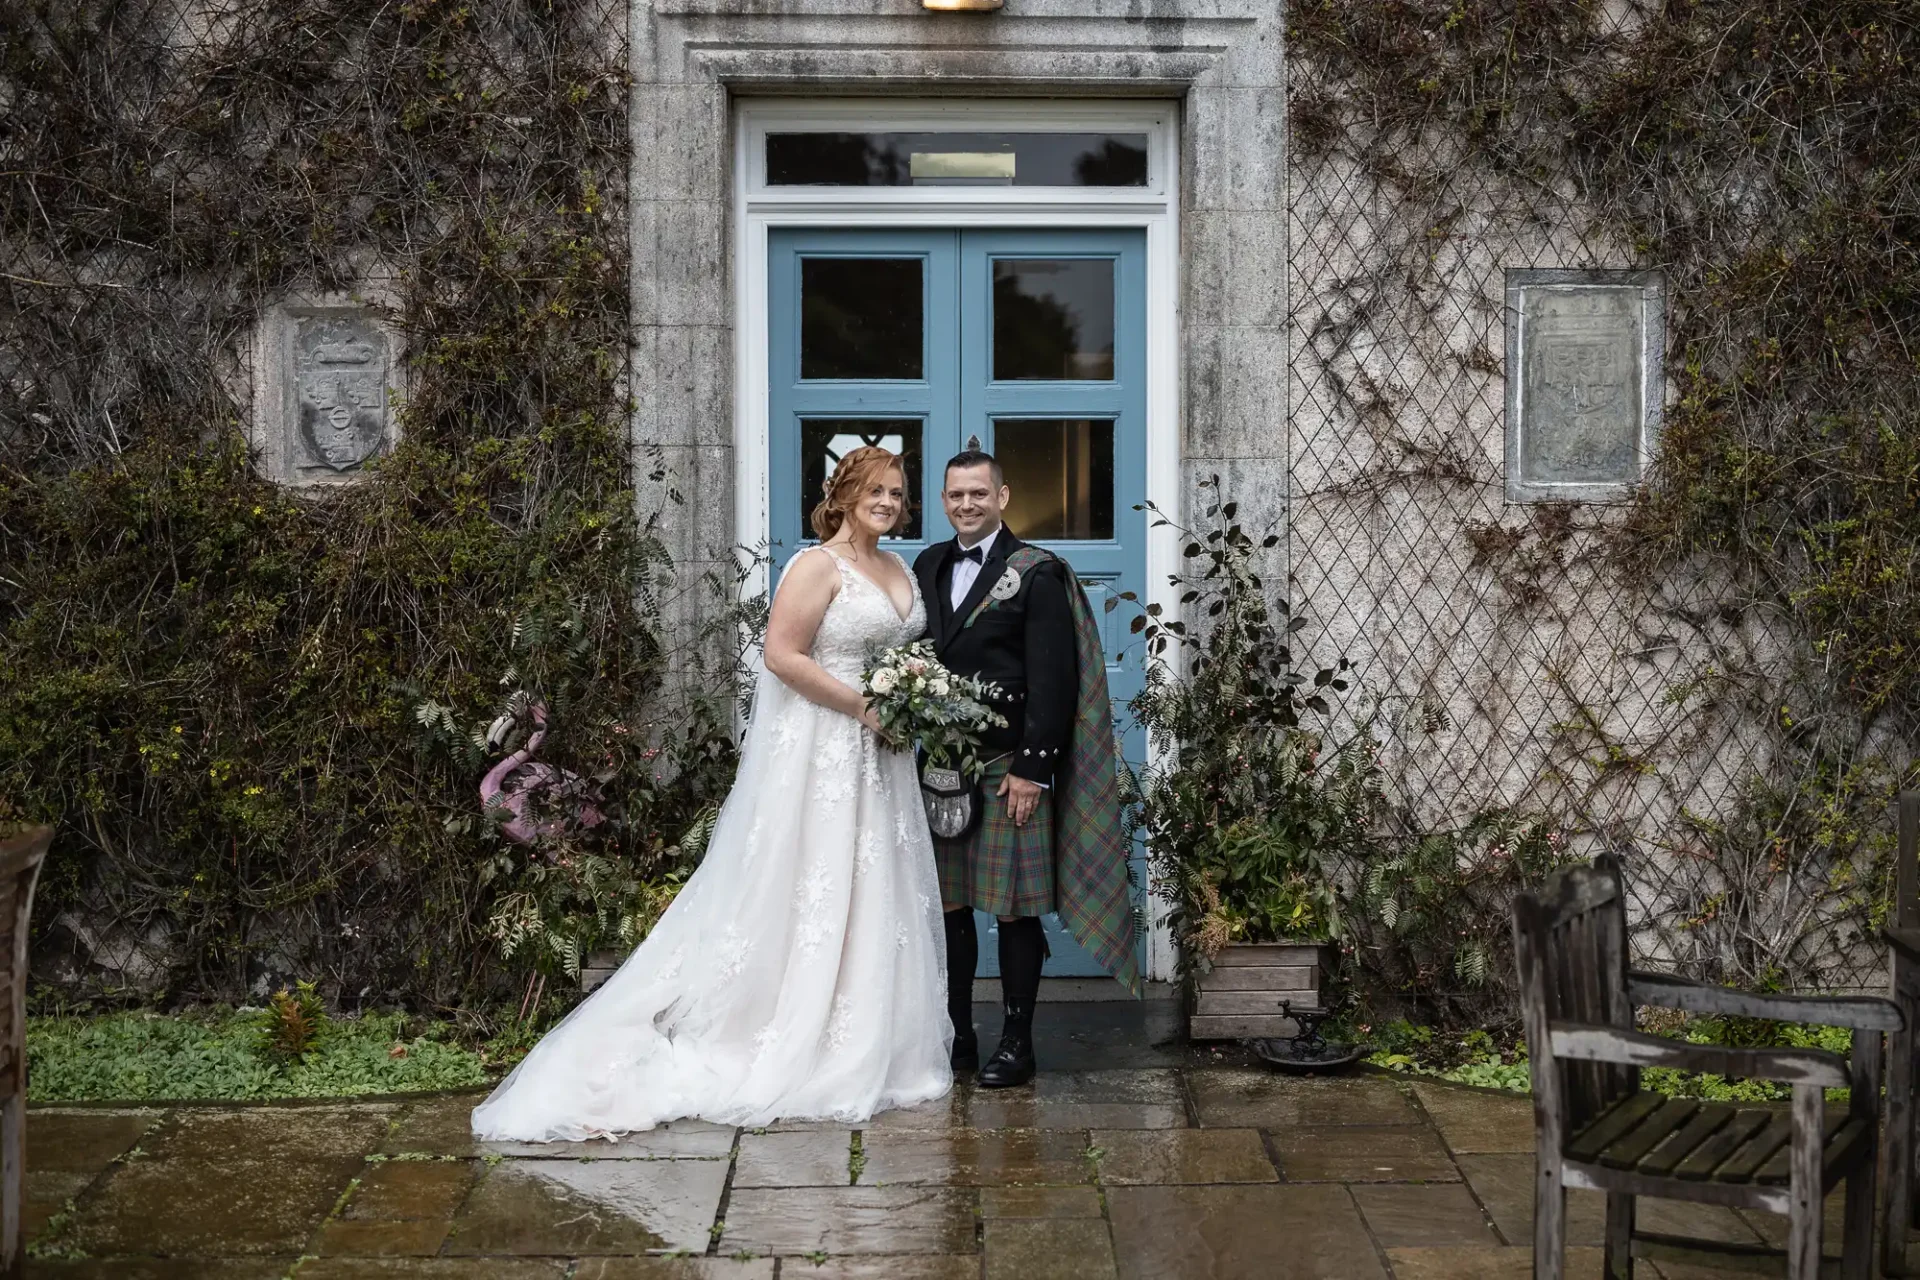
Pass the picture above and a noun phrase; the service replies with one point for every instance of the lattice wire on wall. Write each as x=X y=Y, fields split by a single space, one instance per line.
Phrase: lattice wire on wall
x=1509 y=663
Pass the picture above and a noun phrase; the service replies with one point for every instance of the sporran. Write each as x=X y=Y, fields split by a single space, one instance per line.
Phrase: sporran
x=953 y=803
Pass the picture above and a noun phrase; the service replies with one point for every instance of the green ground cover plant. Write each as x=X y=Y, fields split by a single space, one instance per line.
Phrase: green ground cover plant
x=1482 y=1059
x=220 y=1053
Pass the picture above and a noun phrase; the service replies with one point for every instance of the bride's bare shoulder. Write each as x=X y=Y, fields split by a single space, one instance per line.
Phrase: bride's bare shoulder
x=814 y=572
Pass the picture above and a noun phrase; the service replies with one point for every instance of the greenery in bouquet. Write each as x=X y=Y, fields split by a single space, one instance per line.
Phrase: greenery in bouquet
x=917 y=699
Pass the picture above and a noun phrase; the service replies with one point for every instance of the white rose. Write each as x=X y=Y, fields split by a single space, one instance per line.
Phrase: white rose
x=884 y=680
x=939 y=686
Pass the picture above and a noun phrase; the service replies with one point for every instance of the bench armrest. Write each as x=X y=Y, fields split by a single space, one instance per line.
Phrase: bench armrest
x=1903 y=939
x=1587 y=1042
x=1862 y=1013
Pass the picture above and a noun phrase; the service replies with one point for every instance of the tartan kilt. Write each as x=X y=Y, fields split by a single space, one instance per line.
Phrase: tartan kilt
x=1000 y=868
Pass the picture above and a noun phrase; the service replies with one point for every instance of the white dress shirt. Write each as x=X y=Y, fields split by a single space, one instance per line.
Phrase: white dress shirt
x=966 y=572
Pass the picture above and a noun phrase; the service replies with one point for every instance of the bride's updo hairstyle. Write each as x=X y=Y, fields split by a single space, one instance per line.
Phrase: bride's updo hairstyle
x=858 y=472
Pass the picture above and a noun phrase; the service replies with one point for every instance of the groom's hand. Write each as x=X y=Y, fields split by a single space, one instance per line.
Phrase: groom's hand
x=1021 y=796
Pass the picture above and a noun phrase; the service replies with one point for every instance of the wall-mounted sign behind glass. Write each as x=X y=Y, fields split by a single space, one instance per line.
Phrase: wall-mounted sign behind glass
x=1053 y=319
x=1059 y=476
x=862 y=318
x=824 y=441
x=956 y=159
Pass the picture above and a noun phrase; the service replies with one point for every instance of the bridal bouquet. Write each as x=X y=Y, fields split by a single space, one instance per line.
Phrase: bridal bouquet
x=916 y=699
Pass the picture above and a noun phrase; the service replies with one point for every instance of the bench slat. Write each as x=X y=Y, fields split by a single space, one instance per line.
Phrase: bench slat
x=1744 y=1163
x=1706 y=1122
x=1708 y=1156
x=1668 y=1119
x=1613 y=1123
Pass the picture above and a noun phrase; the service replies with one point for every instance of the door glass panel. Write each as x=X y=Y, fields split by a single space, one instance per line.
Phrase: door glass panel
x=957 y=159
x=824 y=441
x=1052 y=319
x=1059 y=476
x=861 y=318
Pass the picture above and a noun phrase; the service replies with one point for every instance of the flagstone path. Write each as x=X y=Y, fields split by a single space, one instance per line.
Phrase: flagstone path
x=1128 y=1173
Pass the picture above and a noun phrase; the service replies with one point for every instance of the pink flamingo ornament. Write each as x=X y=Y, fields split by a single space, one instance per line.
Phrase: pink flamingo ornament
x=514 y=783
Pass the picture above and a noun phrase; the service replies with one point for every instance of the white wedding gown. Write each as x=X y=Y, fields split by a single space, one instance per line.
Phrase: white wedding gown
x=800 y=973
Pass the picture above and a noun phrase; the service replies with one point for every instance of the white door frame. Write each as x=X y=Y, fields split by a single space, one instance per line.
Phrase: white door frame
x=1154 y=208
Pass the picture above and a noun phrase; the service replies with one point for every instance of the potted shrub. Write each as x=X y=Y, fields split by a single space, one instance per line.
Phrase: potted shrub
x=1249 y=811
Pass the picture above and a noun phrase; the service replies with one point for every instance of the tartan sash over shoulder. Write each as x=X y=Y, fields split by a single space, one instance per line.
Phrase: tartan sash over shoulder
x=1090 y=840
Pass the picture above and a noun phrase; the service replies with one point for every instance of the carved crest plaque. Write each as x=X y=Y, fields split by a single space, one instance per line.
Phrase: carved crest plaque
x=339 y=382
x=1583 y=388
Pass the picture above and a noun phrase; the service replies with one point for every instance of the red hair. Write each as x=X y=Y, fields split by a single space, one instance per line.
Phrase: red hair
x=856 y=474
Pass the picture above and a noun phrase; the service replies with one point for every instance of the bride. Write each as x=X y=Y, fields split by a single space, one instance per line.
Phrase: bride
x=798 y=974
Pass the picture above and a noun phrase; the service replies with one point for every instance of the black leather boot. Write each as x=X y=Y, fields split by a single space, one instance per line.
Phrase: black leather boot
x=1023 y=951
x=1012 y=1063
x=963 y=957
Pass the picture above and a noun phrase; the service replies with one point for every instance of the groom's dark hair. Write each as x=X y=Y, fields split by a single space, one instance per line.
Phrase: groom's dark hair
x=974 y=458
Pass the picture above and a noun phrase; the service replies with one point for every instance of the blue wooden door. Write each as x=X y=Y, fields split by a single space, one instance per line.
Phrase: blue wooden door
x=1033 y=341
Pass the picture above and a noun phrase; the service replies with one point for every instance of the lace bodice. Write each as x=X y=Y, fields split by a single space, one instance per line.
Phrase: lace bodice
x=862 y=620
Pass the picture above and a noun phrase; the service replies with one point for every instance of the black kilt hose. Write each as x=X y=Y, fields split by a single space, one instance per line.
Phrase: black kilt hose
x=1015 y=629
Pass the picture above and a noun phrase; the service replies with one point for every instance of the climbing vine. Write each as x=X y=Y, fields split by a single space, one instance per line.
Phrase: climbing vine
x=1764 y=157
x=258 y=719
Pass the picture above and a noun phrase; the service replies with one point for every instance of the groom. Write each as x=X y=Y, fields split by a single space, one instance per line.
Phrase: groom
x=1052 y=837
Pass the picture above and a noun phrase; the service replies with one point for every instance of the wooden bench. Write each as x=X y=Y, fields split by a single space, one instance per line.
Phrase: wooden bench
x=1903 y=957
x=20 y=859
x=1596 y=1129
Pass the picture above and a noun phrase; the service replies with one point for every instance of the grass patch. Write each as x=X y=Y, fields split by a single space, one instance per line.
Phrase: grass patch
x=1477 y=1058
x=140 y=1056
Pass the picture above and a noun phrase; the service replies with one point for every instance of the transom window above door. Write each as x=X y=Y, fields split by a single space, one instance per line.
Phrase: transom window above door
x=930 y=159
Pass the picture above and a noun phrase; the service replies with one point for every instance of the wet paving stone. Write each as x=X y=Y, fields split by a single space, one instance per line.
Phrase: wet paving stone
x=83 y=1141
x=444 y=1127
x=1039 y=1202
x=595 y=1207
x=1444 y=1214
x=433 y=1269
x=1074 y=1249
x=942 y=1113
x=999 y=1111
x=159 y=1268
x=1269 y=1232
x=47 y=1195
x=1772 y=1228
x=380 y=1239
x=1403 y=1153
x=973 y=1158
x=675 y=1269
x=925 y=1267
x=228 y=1183
x=1133 y=1156
x=1255 y=1099
x=1504 y=1184
x=809 y=1158
x=1482 y=1263
x=836 y=1220
x=402 y=1190
x=1474 y=1123
x=1136 y=1099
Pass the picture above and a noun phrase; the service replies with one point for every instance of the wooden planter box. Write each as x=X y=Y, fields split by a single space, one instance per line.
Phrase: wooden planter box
x=1239 y=998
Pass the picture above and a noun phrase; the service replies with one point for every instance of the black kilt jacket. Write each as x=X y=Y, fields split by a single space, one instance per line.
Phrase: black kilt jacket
x=1025 y=645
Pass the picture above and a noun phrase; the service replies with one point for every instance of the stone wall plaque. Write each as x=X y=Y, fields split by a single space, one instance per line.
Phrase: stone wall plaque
x=322 y=393
x=1584 y=386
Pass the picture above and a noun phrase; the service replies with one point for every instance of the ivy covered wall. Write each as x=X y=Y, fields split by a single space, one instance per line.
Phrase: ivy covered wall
x=258 y=718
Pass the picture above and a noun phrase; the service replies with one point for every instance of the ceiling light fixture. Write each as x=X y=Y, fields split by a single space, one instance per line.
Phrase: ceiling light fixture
x=963 y=6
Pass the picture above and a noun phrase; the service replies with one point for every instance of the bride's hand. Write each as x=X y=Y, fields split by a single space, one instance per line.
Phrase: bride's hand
x=872 y=721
